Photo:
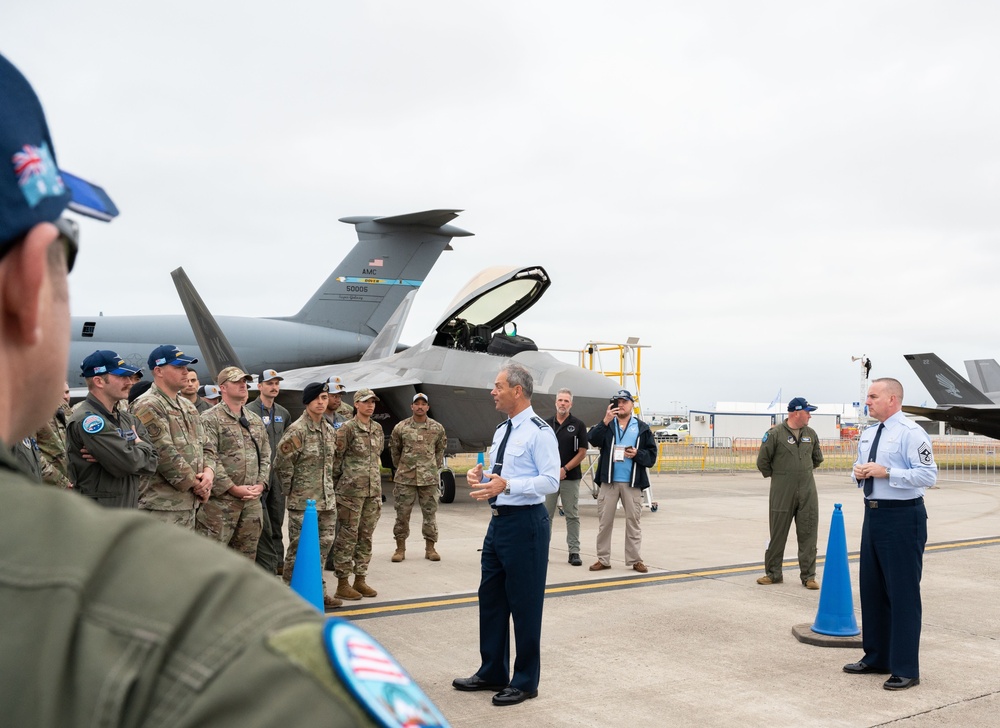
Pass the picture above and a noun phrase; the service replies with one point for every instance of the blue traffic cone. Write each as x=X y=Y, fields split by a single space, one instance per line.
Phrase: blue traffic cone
x=836 y=603
x=307 y=574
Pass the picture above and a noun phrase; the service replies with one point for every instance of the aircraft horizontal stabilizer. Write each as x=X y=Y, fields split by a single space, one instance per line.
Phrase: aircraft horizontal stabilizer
x=984 y=420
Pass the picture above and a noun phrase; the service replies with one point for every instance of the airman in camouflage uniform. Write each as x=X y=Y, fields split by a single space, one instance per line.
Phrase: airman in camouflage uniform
x=337 y=411
x=186 y=466
x=109 y=449
x=357 y=468
x=304 y=470
x=417 y=447
x=233 y=515
x=51 y=441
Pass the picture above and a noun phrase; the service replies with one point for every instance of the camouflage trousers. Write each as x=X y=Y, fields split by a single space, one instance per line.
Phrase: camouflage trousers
x=405 y=496
x=184 y=519
x=356 y=521
x=232 y=522
x=327 y=534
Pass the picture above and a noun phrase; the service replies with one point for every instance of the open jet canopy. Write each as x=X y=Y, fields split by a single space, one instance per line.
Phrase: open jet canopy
x=488 y=303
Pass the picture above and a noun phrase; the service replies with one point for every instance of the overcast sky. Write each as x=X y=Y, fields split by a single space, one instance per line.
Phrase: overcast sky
x=758 y=191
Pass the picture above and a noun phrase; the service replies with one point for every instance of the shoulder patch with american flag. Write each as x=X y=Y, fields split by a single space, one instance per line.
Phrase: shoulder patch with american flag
x=376 y=679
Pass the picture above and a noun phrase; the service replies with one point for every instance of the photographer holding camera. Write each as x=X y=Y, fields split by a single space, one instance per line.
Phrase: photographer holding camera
x=627 y=451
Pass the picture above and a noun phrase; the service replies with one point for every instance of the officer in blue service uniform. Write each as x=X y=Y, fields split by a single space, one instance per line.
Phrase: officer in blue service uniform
x=524 y=469
x=111 y=617
x=895 y=465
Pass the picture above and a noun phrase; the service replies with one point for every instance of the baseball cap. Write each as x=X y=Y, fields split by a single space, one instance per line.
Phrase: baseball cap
x=268 y=374
x=168 y=355
x=800 y=403
x=104 y=361
x=313 y=390
x=233 y=374
x=363 y=395
x=418 y=395
x=209 y=391
x=623 y=394
x=32 y=187
x=336 y=386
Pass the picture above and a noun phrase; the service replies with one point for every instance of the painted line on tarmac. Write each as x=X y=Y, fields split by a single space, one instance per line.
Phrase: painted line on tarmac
x=624 y=582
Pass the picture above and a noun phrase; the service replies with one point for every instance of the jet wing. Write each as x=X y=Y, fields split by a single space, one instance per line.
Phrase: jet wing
x=982 y=420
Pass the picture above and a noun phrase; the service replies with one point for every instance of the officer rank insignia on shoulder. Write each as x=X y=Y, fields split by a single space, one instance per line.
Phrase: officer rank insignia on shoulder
x=764 y=439
x=376 y=679
x=92 y=424
x=542 y=424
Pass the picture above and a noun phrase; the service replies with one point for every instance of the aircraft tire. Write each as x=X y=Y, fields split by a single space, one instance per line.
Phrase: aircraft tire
x=447 y=484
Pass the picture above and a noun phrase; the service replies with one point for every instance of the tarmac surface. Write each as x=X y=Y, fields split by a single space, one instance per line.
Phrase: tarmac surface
x=696 y=641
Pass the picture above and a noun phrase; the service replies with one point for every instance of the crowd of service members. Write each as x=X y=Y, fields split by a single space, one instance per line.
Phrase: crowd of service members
x=207 y=459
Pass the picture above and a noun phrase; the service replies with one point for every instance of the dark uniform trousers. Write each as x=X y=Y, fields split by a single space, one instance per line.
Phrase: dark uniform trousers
x=892 y=552
x=514 y=561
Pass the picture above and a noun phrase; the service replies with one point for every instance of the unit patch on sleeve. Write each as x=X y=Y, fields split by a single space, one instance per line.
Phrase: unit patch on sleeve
x=92 y=424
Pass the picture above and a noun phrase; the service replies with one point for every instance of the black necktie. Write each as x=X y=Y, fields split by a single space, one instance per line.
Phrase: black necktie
x=870 y=482
x=498 y=465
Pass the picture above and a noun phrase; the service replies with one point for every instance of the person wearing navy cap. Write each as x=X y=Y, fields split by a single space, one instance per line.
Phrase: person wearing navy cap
x=789 y=452
x=108 y=447
x=628 y=451
x=130 y=621
x=186 y=470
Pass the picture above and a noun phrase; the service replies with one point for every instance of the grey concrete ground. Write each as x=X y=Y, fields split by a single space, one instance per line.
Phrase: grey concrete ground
x=682 y=645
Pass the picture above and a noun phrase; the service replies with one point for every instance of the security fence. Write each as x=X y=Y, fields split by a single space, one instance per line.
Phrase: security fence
x=964 y=459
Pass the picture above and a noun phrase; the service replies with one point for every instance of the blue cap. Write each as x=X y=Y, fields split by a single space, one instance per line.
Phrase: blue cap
x=168 y=355
x=623 y=394
x=800 y=403
x=32 y=188
x=104 y=361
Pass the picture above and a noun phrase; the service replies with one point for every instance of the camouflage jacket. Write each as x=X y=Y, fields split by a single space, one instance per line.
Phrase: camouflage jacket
x=357 y=465
x=176 y=430
x=304 y=464
x=119 y=443
x=243 y=454
x=51 y=441
x=417 y=450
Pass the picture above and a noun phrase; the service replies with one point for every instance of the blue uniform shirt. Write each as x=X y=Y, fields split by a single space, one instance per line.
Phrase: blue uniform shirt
x=621 y=472
x=530 y=460
x=905 y=449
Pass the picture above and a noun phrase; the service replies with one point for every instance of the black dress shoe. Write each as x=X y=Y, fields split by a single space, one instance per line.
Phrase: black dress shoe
x=475 y=683
x=860 y=668
x=574 y=559
x=513 y=696
x=900 y=683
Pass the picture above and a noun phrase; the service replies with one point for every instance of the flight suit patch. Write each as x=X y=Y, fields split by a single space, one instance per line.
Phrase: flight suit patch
x=376 y=679
x=92 y=424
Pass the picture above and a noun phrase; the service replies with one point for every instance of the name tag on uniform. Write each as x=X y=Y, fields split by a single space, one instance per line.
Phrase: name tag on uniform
x=806 y=439
x=278 y=418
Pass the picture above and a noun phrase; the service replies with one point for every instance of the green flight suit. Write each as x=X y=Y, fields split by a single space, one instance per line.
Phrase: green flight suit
x=112 y=618
x=789 y=462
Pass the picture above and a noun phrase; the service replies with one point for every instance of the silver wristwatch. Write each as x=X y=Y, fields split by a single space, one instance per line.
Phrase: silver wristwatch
x=506 y=491
x=887 y=472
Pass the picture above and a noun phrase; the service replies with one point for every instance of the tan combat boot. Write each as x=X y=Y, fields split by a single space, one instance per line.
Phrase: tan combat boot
x=344 y=590
x=331 y=602
x=360 y=587
x=430 y=553
x=400 y=550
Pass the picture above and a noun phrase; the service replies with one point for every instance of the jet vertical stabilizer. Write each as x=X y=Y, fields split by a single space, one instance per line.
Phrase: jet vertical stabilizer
x=392 y=257
x=214 y=345
x=945 y=385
